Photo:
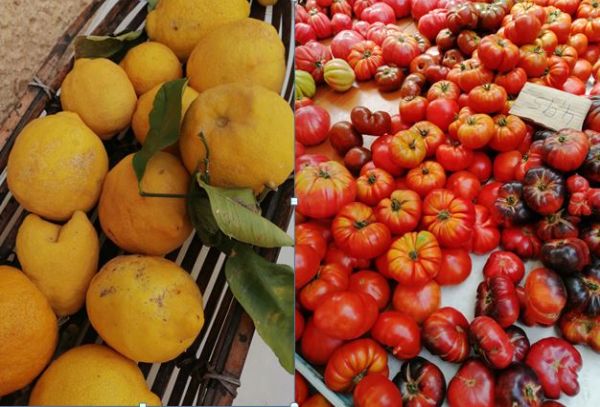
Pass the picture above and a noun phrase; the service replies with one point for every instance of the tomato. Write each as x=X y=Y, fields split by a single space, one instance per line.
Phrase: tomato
x=488 y=98
x=356 y=230
x=312 y=124
x=504 y=264
x=487 y=197
x=445 y=335
x=445 y=40
x=580 y=42
x=320 y=23
x=432 y=23
x=556 y=363
x=547 y=40
x=373 y=186
x=365 y=57
x=505 y=165
x=523 y=29
x=441 y=112
x=343 y=136
x=557 y=226
x=401 y=7
x=521 y=241
x=583 y=290
x=543 y=190
x=428 y=176
x=413 y=109
x=400 y=212
x=311 y=58
x=306 y=264
x=356 y=158
x=592 y=120
x=399 y=49
x=497 y=298
x=413 y=84
x=389 y=78
x=316 y=400
x=352 y=361
x=557 y=72
x=382 y=157
x=574 y=85
x=443 y=90
x=529 y=160
x=431 y=134
x=358 y=6
x=464 y=184
x=512 y=81
x=476 y=130
x=378 y=12
x=418 y=302
x=582 y=70
x=322 y=189
x=473 y=385
x=518 y=386
x=520 y=342
x=530 y=8
x=421 y=7
x=559 y=22
x=298 y=324
x=421 y=383
x=424 y=44
x=582 y=329
x=509 y=133
x=336 y=255
x=566 y=256
x=378 y=32
x=317 y=347
x=341 y=7
x=311 y=234
x=462 y=17
x=452 y=57
x=304 y=33
x=329 y=279
x=469 y=74
x=491 y=342
x=533 y=60
x=414 y=258
x=346 y=314
x=448 y=217
x=371 y=283
x=342 y=43
x=498 y=53
x=490 y=16
x=376 y=390
x=589 y=26
x=407 y=149
x=567 y=53
x=455 y=267
x=399 y=332
x=566 y=149
x=454 y=156
x=545 y=297
x=301 y=388
x=486 y=235
x=481 y=166
x=340 y=22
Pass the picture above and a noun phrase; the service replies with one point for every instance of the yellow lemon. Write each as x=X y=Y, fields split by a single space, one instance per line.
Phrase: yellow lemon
x=149 y=64
x=100 y=92
x=249 y=131
x=146 y=225
x=92 y=375
x=60 y=260
x=147 y=308
x=141 y=123
x=28 y=330
x=57 y=166
x=249 y=50
x=180 y=24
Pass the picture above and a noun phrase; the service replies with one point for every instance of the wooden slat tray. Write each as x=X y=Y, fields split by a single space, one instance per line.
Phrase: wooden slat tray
x=225 y=339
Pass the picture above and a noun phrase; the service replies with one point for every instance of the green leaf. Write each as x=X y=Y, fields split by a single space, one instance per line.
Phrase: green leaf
x=152 y=4
x=109 y=46
x=266 y=291
x=202 y=218
x=235 y=213
x=165 y=120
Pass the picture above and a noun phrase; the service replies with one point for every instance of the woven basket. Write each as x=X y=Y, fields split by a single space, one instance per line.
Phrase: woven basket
x=208 y=372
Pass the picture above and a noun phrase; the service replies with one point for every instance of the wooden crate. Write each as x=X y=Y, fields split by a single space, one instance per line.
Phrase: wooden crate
x=221 y=348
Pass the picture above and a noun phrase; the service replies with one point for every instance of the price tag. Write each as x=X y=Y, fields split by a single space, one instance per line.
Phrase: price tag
x=551 y=108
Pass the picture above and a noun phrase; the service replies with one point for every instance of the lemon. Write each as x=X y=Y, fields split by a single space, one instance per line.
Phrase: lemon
x=57 y=166
x=147 y=308
x=60 y=260
x=146 y=225
x=249 y=50
x=100 y=92
x=249 y=131
x=92 y=375
x=28 y=330
x=141 y=123
x=180 y=24
x=149 y=64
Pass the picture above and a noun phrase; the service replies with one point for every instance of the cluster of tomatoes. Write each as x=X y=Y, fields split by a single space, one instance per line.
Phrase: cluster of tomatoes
x=452 y=173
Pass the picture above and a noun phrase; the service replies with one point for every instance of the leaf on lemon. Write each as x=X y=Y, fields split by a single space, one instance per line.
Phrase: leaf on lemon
x=152 y=4
x=109 y=46
x=165 y=121
x=266 y=292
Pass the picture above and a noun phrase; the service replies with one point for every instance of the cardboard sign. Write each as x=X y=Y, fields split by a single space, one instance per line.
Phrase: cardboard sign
x=551 y=108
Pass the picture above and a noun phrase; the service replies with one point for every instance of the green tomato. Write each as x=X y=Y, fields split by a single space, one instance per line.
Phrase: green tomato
x=305 y=85
x=339 y=75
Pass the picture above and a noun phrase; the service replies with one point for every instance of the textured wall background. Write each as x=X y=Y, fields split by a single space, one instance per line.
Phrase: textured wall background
x=28 y=30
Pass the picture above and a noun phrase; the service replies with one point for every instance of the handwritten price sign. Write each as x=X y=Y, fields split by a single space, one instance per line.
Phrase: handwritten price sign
x=550 y=107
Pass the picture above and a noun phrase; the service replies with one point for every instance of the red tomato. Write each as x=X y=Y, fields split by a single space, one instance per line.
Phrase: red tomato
x=476 y=130
x=432 y=23
x=488 y=98
x=365 y=57
x=486 y=236
x=428 y=176
x=566 y=149
x=299 y=324
x=304 y=33
x=399 y=49
x=470 y=73
x=464 y=184
x=329 y=279
x=445 y=335
x=306 y=264
x=505 y=264
x=340 y=22
x=313 y=235
x=454 y=156
x=323 y=189
x=382 y=157
x=401 y=7
x=316 y=400
x=338 y=256
x=547 y=40
x=301 y=393
x=509 y=133
x=414 y=258
x=373 y=186
x=352 y=361
x=448 y=217
x=399 y=332
x=320 y=23
x=372 y=283
x=544 y=297
x=512 y=81
x=487 y=197
x=315 y=346
x=418 y=302
x=346 y=314
x=557 y=72
x=505 y=165
x=455 y=267
x=559 y=22
x=443 y=90
x=376 y=390
x=497 y=298
x=582 y=70
x=401 y=212
x=498 y=53
x=342 y=43
x=413 y=109
x=481 y=166
x=432 y=135
x=533 y=60
x=574 y=85
x=522 y=241
x=523 y=29
x=441 y=112
x=311 y=58
x=473 y=385
x=378 y=12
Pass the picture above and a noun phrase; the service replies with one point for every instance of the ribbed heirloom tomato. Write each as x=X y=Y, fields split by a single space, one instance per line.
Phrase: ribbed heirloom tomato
x=413 y=109
x=486 y=235
x=401 y=212
x=431 y=134
x=414 y=258
x=376 y=390
x=498 y=53
x=311 y=58
x=453 y=155
x=407 y=149
x=476 y=131
x=473 y=385
x=491 y=342
x=365 y=57
x=399 y=332
x=399 y=49
x=566 y=149
x=487 y=98
x=470 y=73
x=373 y=186
x=426 y=177
x=497 y=298
x=445 y=334
x=418 y=302
x=329 y=279
x=448 y=217
x=509 y=132
x=421 y=383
